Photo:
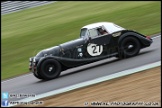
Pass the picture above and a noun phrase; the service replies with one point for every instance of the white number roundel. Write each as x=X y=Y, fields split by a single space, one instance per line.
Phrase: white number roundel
x=94 y=49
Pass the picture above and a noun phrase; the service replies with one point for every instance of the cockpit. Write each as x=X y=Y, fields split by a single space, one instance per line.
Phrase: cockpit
x=94 y=32
x=99 y=29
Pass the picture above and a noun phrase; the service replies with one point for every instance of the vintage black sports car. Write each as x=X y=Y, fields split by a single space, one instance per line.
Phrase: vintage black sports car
x=97 y=41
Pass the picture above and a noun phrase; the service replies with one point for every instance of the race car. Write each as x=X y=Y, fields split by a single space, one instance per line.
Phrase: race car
x=97 y=41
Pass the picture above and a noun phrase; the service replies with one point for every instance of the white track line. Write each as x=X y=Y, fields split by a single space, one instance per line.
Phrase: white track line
x=91 y=82
x=15 y=77
x=156 y=37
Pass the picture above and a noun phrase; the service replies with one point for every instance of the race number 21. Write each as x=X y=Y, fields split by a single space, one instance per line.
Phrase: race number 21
x=94 y=49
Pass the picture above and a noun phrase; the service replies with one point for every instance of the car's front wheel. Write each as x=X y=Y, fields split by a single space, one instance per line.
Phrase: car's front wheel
x=130 y=46
x=37 y=75
x=50 y=69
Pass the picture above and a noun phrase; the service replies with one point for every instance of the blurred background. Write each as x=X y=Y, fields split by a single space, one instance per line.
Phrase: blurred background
x=28 y=27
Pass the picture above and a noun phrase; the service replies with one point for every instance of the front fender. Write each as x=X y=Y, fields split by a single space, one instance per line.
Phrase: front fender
x=67 y=62
x=41 y=60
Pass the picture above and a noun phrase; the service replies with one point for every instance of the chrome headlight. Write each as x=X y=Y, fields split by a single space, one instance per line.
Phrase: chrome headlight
x=30 y=59
x=34 y=59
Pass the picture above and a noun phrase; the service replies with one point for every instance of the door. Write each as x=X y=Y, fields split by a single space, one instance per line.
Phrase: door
x=97 y=42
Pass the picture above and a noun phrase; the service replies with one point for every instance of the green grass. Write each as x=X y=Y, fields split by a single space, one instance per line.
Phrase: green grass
x=26 y=32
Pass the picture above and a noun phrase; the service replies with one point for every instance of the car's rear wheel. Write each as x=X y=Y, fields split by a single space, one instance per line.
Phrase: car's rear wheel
x=50 y=69
x=130 y=46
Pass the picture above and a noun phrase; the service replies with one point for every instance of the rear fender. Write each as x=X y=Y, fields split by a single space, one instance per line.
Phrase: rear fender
x=142 y=39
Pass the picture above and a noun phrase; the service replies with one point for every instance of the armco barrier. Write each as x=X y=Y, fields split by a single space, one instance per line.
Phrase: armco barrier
x=14 y=6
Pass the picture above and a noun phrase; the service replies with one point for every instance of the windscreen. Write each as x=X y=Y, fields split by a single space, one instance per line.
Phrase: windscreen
x=83 y=32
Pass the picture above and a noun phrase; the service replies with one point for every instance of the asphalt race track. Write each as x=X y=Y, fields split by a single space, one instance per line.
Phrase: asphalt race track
x=30 y=85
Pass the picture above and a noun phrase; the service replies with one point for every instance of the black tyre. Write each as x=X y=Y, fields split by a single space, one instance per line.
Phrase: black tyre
x=37 y=75
x=50 y=69
x=130 y=46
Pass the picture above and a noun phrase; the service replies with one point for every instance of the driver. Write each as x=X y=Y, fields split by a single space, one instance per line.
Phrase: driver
x=101 y=31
